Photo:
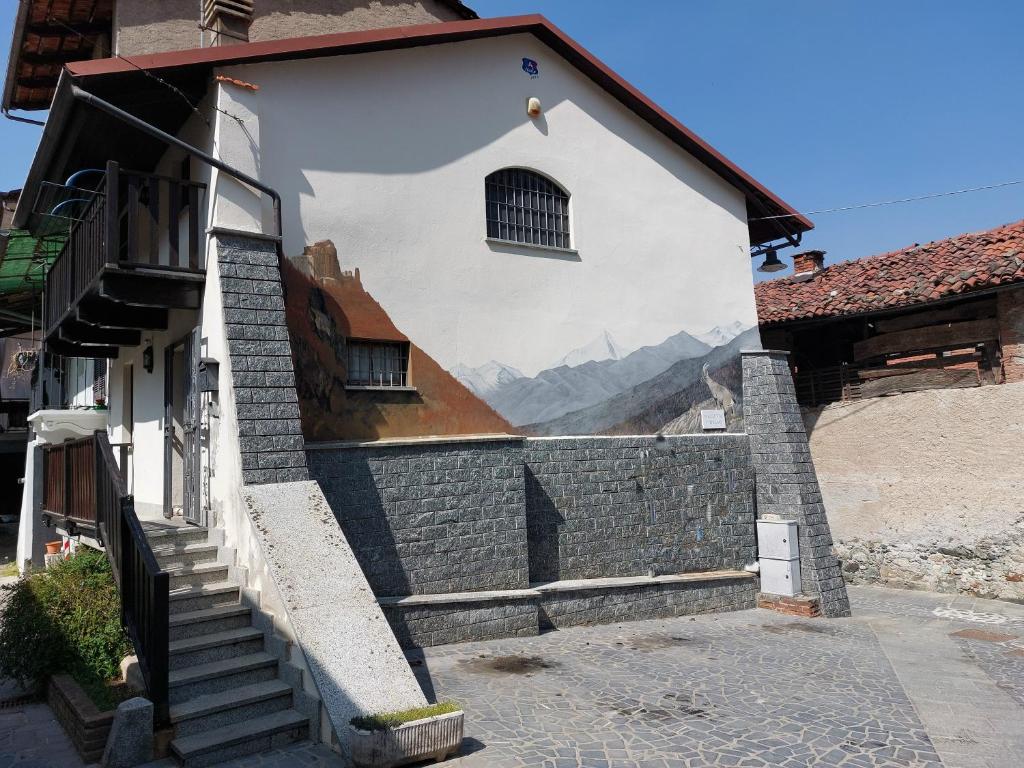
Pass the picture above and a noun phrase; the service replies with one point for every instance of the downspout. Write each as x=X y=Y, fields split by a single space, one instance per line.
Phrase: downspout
x=174 y=141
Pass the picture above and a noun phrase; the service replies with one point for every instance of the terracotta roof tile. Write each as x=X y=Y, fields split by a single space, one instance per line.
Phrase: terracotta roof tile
x=914 y=275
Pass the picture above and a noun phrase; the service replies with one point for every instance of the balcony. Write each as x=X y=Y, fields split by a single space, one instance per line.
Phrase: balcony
x=133 y=254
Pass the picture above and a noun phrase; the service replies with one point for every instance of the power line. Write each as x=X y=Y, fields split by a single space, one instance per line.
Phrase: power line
x=891 y=202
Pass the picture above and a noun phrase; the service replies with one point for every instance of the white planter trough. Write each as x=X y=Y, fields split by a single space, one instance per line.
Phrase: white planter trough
x=438 y=737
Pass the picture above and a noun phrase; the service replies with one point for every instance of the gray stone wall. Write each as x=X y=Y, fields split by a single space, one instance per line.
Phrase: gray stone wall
x=786 y=481
x=270 y=436
x=427 y=625
x=429 y=519
x=660 y=601
x=599 y=507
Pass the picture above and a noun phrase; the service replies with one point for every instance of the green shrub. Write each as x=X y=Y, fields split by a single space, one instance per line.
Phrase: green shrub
x=394 y=719
x=65 y=620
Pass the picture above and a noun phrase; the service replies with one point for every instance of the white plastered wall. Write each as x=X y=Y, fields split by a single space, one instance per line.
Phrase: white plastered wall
x=385 y=154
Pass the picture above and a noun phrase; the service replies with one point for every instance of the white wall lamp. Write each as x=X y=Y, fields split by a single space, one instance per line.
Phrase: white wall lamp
x=533 y=106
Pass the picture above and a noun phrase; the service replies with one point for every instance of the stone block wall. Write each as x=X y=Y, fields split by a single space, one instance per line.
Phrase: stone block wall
x=661 y=601
x=429 y=519
x=270 y=435
x=621 y=506
x=1010 y=312
x=787 y=484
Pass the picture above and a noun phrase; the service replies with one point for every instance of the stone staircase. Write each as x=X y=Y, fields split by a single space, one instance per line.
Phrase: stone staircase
x=231 y=690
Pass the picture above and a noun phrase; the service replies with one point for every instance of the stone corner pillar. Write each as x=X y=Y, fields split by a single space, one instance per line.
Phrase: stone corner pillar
x=787 y=484
x=260 y=358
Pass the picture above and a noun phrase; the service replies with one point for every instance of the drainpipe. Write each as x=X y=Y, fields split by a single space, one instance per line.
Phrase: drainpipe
x=174 y=141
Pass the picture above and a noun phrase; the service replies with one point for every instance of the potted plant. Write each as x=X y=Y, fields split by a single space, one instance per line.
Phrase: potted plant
x=398 y=738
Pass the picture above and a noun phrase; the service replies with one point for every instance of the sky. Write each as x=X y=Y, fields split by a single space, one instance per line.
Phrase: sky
x=828 y=103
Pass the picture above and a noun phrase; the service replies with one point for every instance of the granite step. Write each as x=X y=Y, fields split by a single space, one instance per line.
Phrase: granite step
x=205 y=621
x=164 y=535
x=218 y=676
x=216 y=710
x=187 y=599
x=216 y=646
x=197 y=575
x=185 y=554
x=240 y=739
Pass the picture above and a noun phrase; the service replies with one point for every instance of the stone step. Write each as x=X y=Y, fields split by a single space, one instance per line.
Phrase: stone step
x=217 y=676
x=159 y=535
x=240 y=739
x=216 y=710
x=186 y=554
x=206 y=621
x=197 y=575
x=187 y=599
x=215 y=646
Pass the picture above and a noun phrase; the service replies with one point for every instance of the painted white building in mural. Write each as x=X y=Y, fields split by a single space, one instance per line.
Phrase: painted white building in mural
x=465 y=230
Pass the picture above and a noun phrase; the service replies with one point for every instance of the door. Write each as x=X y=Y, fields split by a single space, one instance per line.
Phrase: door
x=182 y=430
x=190 y=428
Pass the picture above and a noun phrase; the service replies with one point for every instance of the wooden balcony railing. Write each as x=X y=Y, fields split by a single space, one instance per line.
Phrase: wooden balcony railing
x=135 y=221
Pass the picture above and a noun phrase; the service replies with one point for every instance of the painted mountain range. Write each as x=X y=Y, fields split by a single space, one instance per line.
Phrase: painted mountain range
x=563 y=389
x=597 y=389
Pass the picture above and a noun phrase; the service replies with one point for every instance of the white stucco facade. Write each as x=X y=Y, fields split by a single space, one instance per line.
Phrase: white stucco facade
x=385 y=154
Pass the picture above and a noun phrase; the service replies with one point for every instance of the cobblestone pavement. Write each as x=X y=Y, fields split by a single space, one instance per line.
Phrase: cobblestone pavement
x=914 y=679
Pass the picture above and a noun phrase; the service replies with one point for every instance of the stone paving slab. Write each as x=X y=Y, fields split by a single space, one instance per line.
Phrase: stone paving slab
x=31 y=737
x=913 y=679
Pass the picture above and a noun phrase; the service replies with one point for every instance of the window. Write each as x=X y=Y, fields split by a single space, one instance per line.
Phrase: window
x=378 y=364
x=525 y=207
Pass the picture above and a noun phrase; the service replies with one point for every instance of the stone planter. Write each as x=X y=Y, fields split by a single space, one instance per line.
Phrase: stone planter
x=438 y=737
x=87 y=727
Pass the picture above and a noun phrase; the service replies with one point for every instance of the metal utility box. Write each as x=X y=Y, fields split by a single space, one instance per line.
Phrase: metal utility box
x=208 y=374
x=776 y=539
x=780 y=577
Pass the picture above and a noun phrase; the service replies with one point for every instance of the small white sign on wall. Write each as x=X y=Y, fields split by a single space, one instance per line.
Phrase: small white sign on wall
x=712 y=419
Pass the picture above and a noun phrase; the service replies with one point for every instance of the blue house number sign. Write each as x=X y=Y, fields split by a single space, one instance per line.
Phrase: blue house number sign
x=530 y=68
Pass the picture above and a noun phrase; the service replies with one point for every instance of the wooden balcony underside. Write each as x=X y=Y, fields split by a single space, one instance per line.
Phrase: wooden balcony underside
x=119 y=304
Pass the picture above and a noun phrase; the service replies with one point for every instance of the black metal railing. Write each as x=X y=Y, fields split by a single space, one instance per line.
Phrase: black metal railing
x=134 y=220
x=144 y=587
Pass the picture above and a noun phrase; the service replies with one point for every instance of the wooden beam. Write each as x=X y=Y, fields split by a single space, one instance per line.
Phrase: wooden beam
x=915 y=382
x=108 y=314
x=80 y=333
x=67 y=349
x=934 y=337
x=171 y=292
x=969 y=311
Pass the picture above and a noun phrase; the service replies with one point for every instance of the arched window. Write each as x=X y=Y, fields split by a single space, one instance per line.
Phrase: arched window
x=525 y=207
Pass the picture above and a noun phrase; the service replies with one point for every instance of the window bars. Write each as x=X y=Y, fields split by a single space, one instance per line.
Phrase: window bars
x=525 y=207
x=378 y=364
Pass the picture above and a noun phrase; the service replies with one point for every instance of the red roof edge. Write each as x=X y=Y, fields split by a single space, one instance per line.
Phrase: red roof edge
x=436 y=33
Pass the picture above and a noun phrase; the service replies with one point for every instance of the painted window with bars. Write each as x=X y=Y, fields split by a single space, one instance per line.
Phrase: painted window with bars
x=378 y=364
x=525 y=207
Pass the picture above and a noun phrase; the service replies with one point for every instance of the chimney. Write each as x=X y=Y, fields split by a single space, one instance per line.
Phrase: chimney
x=228 y=20
x=808 y=262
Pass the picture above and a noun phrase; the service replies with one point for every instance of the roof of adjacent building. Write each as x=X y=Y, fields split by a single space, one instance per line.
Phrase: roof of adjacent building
x=51 y=33
x=769 y=217
x=920 y=274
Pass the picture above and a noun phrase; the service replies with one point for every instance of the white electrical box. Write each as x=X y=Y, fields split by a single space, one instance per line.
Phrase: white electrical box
x=780 y=577
x=776 y=539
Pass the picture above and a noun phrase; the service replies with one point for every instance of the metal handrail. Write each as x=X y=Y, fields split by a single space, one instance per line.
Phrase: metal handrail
x=144 y=587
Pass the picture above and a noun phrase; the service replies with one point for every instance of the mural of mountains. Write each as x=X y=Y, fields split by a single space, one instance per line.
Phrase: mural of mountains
x=487 y=378
x=720 y=335
x=564 y=389
x=601 y=348
x=656 y=402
